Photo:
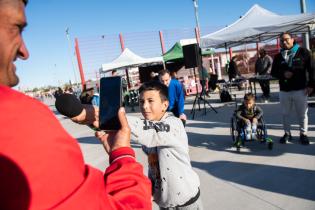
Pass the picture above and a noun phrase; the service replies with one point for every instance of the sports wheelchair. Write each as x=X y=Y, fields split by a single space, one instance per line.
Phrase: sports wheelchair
x=238 y=131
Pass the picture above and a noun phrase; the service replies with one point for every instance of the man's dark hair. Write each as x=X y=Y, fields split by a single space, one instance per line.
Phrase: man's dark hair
x=155 y=85
x=249 y=96
x=286 y=32
x=163 y=72
x=262 y=50
x=290 y=34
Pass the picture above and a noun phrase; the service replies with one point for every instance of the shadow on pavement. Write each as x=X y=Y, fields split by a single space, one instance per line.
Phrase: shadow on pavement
x=224 y=143
x=269 y=178
x=89 y=140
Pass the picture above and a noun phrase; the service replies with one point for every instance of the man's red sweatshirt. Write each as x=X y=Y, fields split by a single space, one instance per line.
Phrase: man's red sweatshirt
x=42 y=167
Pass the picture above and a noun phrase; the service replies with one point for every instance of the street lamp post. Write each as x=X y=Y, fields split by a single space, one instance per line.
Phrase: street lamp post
x=196 y=13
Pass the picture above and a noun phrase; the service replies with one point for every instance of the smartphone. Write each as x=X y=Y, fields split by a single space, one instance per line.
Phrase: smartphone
x=110 y=102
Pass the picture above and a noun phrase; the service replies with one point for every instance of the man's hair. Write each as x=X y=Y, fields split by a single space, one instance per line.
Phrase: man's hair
x=163 y=72
x=262 y=50
x=157 y=86
x=249 y=96
x=24 y=1
x=286 y=32
x=234 y=57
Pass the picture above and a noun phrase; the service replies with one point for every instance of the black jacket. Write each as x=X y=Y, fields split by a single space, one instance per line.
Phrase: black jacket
x=244 y=114
x=302 y=69
x=233 y=70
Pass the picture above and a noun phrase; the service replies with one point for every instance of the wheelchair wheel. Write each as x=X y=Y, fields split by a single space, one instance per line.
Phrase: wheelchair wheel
x=261 y=131
x=233 y=129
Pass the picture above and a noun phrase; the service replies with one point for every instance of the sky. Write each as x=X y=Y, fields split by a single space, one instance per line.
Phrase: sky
x=52 y=60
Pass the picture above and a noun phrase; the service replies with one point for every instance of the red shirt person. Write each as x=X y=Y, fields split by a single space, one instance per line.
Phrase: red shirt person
x=41 y=165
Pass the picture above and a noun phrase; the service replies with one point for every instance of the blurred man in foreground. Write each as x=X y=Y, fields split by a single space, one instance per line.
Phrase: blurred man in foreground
x=41 y=165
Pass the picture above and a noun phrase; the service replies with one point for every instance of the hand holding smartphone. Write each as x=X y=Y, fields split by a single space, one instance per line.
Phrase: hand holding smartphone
x=110 y=102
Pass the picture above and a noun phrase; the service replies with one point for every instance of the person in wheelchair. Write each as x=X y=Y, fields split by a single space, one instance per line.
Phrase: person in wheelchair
x=248 y=115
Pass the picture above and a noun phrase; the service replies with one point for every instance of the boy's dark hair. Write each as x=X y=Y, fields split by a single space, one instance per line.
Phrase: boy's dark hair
x=249 y=96
x=155 y=85
x=163 y=72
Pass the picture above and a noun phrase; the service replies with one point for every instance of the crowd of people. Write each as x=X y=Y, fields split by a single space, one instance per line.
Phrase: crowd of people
x=43 y=165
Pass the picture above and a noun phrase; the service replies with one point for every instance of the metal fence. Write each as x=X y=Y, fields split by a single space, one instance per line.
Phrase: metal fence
x=101 y=49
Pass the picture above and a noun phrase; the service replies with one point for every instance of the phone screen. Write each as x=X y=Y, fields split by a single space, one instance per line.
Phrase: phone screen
x=110 y=102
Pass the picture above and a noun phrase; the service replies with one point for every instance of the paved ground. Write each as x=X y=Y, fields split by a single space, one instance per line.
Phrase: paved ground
x=256 y=178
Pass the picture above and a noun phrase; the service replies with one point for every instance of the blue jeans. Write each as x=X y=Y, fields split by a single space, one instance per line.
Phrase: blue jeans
x=250 y=130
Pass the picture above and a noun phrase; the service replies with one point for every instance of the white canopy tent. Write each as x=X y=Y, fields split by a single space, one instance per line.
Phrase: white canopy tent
x=257 y=25
x=129 y=59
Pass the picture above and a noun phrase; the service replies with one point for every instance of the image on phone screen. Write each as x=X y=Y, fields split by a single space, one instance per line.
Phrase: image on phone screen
x=110 y=102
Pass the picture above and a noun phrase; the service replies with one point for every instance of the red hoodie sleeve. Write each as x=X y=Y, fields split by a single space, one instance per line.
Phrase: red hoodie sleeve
x=125 y=181
x=123 y=187
x=42 y=166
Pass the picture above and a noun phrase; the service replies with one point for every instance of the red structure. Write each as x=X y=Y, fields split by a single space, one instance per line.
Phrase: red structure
x=77 y=51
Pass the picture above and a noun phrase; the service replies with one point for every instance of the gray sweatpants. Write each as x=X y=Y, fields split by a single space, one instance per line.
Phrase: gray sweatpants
x=298 y=99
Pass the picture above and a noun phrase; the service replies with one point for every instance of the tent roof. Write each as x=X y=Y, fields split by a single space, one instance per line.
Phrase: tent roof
x=257 y=25
x=129 y=59
x=176 y=52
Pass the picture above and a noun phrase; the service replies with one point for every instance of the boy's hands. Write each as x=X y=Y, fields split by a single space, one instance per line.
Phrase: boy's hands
x=247 y=121
x=308 y=91
x=117 y=139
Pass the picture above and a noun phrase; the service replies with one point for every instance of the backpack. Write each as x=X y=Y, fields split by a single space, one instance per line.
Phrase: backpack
x=225 y=96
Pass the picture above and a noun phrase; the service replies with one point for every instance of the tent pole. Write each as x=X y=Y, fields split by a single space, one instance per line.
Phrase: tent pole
x=122 y=45
x=306 y=38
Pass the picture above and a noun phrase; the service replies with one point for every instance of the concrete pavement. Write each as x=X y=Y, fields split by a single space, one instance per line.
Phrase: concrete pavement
x=255 y=178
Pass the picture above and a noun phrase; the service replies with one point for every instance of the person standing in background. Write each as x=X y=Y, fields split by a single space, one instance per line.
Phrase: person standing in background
x=293 y=67
x=175 y=94
x=204 y=78
x=233 y=71
x=263 y=67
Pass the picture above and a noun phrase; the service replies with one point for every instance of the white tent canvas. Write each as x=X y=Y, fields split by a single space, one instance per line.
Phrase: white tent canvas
x=257 y=25
x=129 y=59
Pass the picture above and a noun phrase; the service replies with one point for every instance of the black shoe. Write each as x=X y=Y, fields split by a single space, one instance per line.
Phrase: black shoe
x=304 y=139
x=286 y=137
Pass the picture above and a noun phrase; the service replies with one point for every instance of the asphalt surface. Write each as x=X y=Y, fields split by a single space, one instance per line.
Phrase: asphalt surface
x=253 y=178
